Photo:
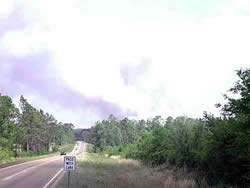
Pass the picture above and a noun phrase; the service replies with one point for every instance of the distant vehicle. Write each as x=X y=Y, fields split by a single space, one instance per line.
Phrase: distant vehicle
x=63 y=153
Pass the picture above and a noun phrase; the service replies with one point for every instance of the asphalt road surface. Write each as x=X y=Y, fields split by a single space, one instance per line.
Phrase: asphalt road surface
x=35 y=174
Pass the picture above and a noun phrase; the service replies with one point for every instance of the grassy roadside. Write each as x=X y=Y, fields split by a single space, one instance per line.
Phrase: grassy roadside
x=67 y=148
x=19 y=160
x=95 y=170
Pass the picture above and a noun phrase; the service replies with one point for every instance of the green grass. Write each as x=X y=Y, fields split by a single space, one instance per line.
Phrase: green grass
x=95 y=170
x=67 y=148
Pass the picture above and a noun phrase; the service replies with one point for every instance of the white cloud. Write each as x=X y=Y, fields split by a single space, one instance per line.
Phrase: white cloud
x=26 y=41
x=6 y=8
x=193 y=57
x=231 y=7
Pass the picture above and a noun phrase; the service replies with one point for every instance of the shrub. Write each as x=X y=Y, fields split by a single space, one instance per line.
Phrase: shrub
x=24 y=154
x=43 y=151
x=55 y=148
x=5 y=155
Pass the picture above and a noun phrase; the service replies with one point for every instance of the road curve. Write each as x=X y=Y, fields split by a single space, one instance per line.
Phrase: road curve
x=34 y=174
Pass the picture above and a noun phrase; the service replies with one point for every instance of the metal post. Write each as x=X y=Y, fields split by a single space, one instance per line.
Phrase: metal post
x=68 y=179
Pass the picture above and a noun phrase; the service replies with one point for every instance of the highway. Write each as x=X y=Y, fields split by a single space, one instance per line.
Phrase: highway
x=35 y=174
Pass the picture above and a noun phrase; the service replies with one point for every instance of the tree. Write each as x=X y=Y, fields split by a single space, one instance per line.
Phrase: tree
x=229 y=142
x=29 y=121
x=8 y=118
x=41 y=129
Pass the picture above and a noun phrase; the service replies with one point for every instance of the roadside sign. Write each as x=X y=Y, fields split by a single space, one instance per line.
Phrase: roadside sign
x=69 y=163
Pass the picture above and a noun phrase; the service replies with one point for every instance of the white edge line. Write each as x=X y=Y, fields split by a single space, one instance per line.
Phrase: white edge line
x=45 y=186
x=37 y=160
x=27 y=169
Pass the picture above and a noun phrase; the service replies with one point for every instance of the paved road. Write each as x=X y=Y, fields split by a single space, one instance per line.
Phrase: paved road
x=34 y=174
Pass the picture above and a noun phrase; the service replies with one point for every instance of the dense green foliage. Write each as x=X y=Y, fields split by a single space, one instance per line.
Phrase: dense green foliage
x=113 y=132
x=216 y=147
x=79 y=134
x=29 y=131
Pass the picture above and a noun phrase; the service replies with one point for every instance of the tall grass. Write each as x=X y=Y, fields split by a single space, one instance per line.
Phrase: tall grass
x=96 y=170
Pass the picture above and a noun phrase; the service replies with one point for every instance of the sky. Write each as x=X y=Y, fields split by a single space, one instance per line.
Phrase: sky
x=82 y=60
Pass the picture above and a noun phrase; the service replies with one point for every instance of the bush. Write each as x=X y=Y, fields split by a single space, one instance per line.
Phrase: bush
x=152 y=148
x=43 y=151
x=24 y=154
x=67 y=148
x=126 y=151
x=55 y=148
x=5 y=155
x=130 y=151
x=113 y=150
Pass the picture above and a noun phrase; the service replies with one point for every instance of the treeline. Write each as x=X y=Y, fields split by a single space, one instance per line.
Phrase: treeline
x=78 y=134
x=113 y=132
x=29 y=131
x=218 y=148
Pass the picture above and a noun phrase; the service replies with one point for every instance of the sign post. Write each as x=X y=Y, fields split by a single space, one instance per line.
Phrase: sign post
x=69 y=165
x=68 y=179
